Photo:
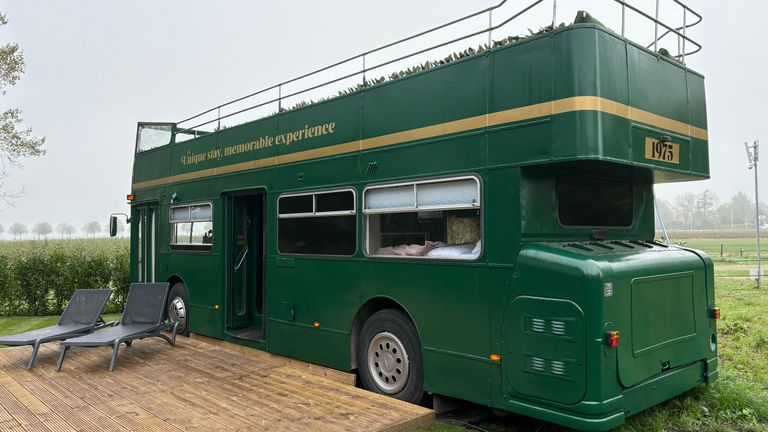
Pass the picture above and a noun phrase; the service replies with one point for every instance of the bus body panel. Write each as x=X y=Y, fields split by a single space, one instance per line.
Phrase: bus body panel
x=576 y=101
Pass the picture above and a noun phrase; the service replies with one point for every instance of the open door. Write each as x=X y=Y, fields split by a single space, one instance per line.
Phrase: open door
x=146 y=229
x=246 y=266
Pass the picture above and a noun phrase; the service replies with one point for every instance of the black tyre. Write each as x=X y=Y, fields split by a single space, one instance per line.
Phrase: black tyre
x=389 y=356
x=178 y=307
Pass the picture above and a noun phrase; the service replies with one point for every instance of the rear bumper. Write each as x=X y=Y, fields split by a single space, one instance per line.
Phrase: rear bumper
x=665 y=386
x=602 y=416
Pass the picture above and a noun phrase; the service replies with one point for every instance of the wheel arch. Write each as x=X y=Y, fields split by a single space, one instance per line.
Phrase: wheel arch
x=174 y=279
x=370 y=307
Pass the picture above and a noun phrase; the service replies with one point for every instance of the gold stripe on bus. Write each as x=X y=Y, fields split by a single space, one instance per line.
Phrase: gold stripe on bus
x=318 y=153
x=571 y=104
x=425 y=132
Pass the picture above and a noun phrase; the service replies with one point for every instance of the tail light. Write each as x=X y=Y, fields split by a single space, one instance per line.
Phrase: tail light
x=612 y=338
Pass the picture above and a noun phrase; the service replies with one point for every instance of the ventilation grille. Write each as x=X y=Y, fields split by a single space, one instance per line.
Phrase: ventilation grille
x=554 y=327
x=538 y=364
x=372 y=167
x=558 y=328
x=538 y=325
x=556 y=368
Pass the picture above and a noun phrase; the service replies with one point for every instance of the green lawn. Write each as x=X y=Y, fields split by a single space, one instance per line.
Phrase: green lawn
x=734 y=249
x=12 y=325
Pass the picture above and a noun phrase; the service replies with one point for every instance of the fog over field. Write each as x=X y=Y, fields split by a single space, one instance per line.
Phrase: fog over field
x=95 y=68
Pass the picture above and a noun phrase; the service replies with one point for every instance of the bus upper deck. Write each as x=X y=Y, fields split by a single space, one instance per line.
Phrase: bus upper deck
x=583 y=92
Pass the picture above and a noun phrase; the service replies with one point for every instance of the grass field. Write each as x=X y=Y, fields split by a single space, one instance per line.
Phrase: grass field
x=12 y=325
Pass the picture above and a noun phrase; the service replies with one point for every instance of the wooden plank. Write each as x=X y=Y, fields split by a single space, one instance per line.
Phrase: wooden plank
x=385 y=408
x=342 y=377
x=20 y=413
x=78 y=413
x=194 y=386
x=7 y=422
x=33 y=404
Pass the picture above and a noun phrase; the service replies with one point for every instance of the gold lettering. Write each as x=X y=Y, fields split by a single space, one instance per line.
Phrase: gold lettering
x=262 y=142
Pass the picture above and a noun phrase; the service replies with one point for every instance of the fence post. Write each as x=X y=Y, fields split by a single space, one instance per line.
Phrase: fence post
x=741 y=252
x=721 y=251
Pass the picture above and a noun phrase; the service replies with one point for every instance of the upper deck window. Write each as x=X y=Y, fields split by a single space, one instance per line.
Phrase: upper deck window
x=149 y=136
x=593 y=202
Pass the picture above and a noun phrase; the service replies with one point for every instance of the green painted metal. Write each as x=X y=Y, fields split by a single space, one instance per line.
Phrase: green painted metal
x=533 y=270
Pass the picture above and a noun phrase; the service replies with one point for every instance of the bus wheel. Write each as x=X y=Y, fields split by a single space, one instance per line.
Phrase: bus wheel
x=389 y=356
x=178 y=307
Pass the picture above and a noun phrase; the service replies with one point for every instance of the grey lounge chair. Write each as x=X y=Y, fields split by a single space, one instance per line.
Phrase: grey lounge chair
x=81 y=316
x=142 y=318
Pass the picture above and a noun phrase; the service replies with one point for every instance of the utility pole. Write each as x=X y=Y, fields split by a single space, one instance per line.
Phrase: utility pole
x=753 y=157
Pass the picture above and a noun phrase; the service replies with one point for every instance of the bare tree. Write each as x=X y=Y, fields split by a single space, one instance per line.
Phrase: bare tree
x=705 y=209
x=685 y=209
x=42 y=229
x=16 y=142
x=65 y=229
x=92 y=228
x=18 y=230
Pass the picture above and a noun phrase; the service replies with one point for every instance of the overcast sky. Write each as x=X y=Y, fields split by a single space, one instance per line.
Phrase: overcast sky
x=95 y=68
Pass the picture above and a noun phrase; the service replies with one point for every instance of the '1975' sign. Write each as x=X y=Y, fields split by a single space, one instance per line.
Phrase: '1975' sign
x=662 y=151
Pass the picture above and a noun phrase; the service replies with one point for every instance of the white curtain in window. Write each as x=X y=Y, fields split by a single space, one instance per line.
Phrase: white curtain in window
x=391 y=197
x=202 y=213
x=450 y=193
x=180 y=214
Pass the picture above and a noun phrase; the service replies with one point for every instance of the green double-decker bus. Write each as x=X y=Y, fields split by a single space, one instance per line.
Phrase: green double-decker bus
x=481 y=228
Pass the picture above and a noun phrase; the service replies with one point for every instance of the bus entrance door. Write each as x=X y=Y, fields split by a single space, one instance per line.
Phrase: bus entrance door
x=246 y=256
x=146 y=228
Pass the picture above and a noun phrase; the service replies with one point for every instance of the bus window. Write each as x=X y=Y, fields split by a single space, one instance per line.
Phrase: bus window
x=585 y=201
x=150 y=136
x=431 y=219
x=319 y=223
x=192 y=227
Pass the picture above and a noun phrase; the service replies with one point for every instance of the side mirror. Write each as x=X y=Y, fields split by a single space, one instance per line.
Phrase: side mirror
x=112 y=226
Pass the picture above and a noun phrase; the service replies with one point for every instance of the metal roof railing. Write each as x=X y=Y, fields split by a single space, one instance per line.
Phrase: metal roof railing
x=679 y=31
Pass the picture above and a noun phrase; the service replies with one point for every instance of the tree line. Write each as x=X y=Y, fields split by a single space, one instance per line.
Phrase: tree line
x=704 y=210
x=42 y=230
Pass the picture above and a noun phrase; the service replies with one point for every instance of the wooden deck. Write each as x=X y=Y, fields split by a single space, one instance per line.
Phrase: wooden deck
x=194 y=386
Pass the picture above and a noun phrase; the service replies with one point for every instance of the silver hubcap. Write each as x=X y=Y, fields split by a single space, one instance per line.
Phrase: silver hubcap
x=388 y=362
x=177 y=311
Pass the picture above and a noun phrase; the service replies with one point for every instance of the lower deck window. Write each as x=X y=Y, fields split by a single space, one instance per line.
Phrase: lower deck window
x=317 y=223
x=192 y=227
x=431 y=219
x=332 y=235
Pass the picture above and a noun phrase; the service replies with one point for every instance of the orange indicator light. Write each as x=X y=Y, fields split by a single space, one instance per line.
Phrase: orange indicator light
x=495 y=358
x=612 y=339
x=130 y=197
x=315 y=324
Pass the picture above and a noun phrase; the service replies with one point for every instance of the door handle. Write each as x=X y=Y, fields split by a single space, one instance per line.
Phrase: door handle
x=241 y=258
